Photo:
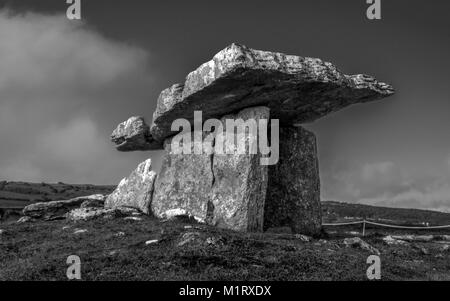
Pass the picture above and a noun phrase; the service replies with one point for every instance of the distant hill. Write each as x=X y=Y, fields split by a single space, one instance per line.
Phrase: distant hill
x=17 y=195
x=344 y=212
x=21 y=194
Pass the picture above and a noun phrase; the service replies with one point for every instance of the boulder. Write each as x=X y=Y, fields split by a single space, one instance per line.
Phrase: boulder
x=293 y=192
x=136 y=190
x=57 y=209
x=240 y=181
x=296 y=89
x=134 y=135
x=225 y=190
x=84 y=214
x=183 y=185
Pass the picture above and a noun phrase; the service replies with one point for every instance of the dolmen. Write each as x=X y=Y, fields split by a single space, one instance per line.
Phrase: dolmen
x=223 y=181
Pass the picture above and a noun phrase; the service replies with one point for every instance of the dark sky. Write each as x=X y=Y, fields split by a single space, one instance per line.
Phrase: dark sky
x=65 y=85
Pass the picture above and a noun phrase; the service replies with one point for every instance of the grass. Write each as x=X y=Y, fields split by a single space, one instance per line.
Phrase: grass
x=38 y=251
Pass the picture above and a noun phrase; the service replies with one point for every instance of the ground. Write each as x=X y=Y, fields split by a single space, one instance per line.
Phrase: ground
x=117 y=250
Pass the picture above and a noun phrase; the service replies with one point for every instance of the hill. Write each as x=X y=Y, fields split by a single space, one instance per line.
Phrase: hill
x=335 y=212
x=14 y=196
x=21 y=194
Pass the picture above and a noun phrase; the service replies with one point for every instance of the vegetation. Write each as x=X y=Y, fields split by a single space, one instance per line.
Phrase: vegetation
x=117 y=250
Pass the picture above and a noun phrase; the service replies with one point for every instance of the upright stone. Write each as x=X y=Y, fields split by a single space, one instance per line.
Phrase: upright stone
x=136 y=190
x=184 y=183
x=293 y=193
x=240 y=181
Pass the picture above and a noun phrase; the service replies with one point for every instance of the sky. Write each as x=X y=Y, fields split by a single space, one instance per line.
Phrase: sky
x=66 y=84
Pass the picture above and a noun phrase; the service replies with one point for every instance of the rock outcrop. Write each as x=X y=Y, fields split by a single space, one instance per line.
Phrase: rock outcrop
x=134 y=135
x=136 y=190
x=89 y=213
x=58 y=209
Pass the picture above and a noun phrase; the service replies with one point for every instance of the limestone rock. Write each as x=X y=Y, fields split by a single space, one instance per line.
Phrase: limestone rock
x=134 y=135
x=84 y=214
x=225 y=190
x=240 y=182
x=389 y=240
x=89 y=213
x=136 y=190
x=357 y=242
x=183 y=185
x=296 y=89
x=293 y=193
x=57 y=209
x=25 y=219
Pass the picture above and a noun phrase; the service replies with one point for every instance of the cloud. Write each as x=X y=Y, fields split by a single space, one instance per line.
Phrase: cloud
x=63 y=88
x=386 y=184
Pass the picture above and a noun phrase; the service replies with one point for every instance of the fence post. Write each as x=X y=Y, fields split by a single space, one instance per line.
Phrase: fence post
x=364 y=228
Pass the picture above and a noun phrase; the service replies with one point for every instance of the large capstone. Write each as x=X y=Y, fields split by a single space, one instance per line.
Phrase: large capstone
x=293 y=192
x=296 y=89
x=136 y=190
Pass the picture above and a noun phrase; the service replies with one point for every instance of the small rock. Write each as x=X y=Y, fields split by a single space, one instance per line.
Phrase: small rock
x=354 y=233
x=119 y=234
x=80 y=231
x=132 y=218
x=391 y=241
x=271 y=260
x=150 y=242
x=213 y=241
x=25 y=219
x=303 y=237
x=84 y=214
x=112 y=253
x=189 y=237
x=65 y=227
x=2 y=232
x=445 y=248
x=359 y=243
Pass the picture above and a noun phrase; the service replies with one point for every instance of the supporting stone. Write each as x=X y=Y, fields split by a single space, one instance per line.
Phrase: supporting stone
x=293 y=193
x=240 y=184
x=225 y=190
x=183 y=185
